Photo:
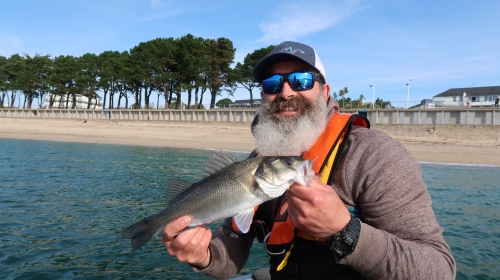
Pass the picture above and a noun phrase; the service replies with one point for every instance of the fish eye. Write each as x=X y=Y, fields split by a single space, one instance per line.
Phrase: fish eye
x=289 y=162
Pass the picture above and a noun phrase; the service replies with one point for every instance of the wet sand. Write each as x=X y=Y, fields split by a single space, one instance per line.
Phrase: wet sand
x=457 y=148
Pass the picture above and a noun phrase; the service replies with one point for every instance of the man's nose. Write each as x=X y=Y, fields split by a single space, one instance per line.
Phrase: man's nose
x=287 y=92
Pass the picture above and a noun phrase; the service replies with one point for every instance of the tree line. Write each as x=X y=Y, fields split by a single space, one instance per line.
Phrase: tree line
x=349 y=103
x=166 y=66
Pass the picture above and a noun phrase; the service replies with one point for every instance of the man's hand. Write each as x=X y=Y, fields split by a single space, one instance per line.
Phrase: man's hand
x=317 y=209
x=190 y=246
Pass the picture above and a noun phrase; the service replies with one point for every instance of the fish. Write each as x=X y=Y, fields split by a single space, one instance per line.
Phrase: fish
x=229 y=188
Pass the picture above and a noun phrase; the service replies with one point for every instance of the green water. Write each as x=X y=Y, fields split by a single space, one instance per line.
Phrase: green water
x=63 y=205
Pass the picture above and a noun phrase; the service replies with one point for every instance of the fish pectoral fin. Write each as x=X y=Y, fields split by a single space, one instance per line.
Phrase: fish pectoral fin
x=175 y=187
x=271 y=189
x=244 y=220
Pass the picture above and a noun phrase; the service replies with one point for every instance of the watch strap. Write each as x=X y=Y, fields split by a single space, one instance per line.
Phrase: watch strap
x=354 y=226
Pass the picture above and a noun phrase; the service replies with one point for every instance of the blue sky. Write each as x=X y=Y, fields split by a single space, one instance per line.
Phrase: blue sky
x=438 y=44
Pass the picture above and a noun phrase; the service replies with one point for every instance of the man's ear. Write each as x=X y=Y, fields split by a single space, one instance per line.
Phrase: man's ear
x=262 y=94
x=326 y=91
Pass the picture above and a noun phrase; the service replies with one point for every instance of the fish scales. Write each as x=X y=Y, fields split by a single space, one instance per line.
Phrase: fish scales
x=232 y=191
x=219 y=197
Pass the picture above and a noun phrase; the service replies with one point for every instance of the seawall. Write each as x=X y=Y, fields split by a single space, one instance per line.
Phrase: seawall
x=478 y=133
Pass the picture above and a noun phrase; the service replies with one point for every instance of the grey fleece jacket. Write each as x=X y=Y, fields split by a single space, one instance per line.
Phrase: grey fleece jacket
x=400 y=237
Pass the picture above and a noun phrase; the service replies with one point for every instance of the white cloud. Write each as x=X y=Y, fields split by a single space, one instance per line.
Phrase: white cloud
x=164 y=9
x=298 y=20
x=157 y=4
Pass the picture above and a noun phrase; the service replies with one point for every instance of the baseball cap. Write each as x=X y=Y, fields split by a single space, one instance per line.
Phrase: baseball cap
x=287 y=51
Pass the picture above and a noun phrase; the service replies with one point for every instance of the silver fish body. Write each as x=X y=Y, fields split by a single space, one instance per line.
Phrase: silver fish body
x=232 y=190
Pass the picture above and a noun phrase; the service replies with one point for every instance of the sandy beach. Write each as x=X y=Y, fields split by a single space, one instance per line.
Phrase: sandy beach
x=450 y=145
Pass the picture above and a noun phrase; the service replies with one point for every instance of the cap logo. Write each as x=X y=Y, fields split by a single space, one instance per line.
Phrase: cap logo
x=289 y=49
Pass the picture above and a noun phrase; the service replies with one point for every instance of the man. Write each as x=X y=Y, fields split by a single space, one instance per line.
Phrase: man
x=369 y=214
x=496 y=102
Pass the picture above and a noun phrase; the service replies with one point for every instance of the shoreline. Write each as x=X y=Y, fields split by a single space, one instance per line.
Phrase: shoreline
x=234 y=136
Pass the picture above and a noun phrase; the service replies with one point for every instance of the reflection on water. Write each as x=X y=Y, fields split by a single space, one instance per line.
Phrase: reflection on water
x=63 y=205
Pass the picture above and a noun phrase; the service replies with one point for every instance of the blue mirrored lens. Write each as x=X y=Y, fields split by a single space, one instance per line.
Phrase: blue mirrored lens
x=301 y=81
x=273 y=84
x=298 y=81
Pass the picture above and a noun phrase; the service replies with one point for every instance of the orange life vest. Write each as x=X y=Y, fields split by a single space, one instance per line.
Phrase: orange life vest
x=324 y=154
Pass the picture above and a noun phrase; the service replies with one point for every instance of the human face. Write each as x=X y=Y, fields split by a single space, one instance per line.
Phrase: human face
x=288 y=93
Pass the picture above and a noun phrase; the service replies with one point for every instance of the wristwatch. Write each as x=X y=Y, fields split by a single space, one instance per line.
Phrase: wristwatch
x=344 y=242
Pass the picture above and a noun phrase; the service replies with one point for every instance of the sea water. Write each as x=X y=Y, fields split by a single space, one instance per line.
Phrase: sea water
x=63 y=206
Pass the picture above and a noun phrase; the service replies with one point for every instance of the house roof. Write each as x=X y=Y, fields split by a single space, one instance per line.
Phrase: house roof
x=471 y=91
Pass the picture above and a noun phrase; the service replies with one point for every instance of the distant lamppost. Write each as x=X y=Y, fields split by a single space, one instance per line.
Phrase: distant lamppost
x=373 y=87
x=408 y=98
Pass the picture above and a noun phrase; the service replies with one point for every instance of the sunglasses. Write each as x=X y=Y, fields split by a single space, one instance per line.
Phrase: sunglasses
x=298 y=81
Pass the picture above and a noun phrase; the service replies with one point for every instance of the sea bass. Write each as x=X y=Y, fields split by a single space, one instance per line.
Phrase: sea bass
x=229 y=189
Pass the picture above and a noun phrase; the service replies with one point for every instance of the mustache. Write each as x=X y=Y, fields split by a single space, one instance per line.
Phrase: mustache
x=294 y=104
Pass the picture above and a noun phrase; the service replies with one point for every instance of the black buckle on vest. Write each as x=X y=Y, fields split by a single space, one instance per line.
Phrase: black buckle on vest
x=260 y=230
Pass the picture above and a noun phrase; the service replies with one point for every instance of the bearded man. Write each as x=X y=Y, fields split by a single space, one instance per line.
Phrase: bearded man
x=367 y=216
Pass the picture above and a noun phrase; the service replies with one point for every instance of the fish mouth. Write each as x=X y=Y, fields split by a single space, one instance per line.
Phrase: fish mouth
x=305 y=173
x=277 y=184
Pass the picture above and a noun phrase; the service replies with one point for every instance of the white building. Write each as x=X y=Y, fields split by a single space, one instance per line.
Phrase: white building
x=479 y=97
x=246 y=103
x=81 y=101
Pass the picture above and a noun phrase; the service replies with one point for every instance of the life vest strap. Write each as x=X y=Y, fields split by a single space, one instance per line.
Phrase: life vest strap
x=306 y=236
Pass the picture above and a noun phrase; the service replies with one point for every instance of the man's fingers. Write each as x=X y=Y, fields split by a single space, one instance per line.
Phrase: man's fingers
x=199 y=243
x=305 y=193
x=180 y=246
x=175 y=227
x=191 y=246
x=204 y=253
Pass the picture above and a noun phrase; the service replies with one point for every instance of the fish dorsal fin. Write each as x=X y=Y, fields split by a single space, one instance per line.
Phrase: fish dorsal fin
x=175 y=187
x=244 y=220
x=217 y=162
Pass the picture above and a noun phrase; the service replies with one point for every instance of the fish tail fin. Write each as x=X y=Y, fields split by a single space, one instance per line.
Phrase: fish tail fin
x=140 y=232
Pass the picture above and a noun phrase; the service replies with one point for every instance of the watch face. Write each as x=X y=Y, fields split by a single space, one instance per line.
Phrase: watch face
x=341 y=247
x=344 y=242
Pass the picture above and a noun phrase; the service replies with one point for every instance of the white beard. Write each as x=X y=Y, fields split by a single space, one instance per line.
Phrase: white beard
x=291 y=136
